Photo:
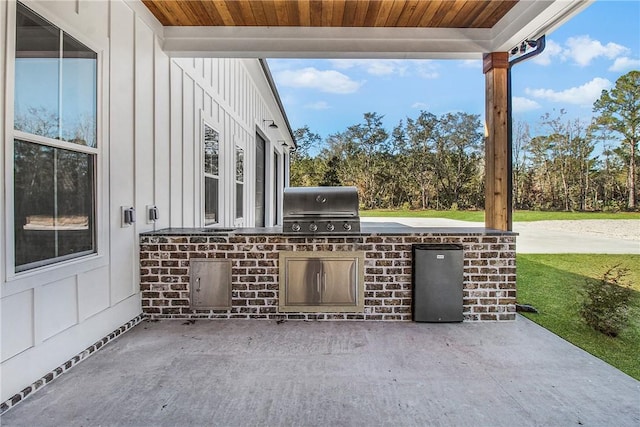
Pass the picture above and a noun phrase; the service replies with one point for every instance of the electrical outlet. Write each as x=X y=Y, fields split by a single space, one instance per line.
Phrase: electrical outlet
x=127 y=216
x=152 y=214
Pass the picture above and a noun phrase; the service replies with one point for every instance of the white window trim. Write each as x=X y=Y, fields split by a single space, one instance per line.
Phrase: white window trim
x=238 y=221
x=276 y=196
x=20 y=281
x=213 y=124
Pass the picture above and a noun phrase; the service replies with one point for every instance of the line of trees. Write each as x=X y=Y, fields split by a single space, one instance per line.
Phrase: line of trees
x=437 y=162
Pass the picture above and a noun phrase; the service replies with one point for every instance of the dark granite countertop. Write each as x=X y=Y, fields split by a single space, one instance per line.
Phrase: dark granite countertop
x=366 y=230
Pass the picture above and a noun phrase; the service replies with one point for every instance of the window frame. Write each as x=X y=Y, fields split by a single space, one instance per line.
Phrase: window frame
x=62 y=266
x=239 y=218
x=212 y=124
x=277 y=184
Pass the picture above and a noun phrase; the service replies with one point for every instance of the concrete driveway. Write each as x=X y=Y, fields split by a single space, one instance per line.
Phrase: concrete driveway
x=262 y=373
x=536 y=237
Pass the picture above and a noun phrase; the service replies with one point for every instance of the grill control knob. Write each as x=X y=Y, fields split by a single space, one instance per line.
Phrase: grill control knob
x=346 y=226
x=295 y=227
x=313 y=227
x=331 y=227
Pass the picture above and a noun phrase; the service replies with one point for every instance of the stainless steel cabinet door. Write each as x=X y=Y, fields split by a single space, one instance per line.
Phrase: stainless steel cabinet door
x=303 y=281
x=321 y=282
x=210 y=284
x=339 y=281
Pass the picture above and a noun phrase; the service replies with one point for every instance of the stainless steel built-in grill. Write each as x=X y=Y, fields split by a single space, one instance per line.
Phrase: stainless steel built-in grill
x=325 y=210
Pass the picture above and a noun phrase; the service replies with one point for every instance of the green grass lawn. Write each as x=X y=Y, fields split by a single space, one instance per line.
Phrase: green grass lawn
x=552 y=284
x=518 y=216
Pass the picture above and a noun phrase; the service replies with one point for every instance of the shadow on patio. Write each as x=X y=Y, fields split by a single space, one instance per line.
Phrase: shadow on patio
x=239 y=373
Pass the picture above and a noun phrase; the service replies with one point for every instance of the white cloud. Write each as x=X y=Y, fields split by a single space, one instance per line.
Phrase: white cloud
x=289 y=99
x=582 y=50
x=424 y=68
x=329 y=81
x=625 y=64
x=384 y=68
x=551 y=50
x=376 y=67
x=428 y=69
x=471 y=63
x=582 y=95
x=522 y=105
x=320 y=105
x=419 y=105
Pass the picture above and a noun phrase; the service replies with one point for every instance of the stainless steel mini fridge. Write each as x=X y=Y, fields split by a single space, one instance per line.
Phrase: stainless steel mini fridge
x=437 y=283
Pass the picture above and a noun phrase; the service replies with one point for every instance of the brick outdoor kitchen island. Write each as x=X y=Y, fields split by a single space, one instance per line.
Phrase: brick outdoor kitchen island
x=489 y=287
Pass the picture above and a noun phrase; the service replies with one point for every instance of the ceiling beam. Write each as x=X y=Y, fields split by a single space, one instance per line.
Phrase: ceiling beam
x=321 y=42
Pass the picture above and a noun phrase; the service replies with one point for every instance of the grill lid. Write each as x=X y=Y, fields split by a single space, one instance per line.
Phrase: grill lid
x=299 y=202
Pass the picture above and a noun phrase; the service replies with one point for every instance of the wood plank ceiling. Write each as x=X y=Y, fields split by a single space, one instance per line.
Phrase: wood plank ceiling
x=331 y=13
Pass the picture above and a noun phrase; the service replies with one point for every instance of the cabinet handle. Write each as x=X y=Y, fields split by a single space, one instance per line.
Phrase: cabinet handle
x=198 y=283
x=324 y=282
x=318 y=282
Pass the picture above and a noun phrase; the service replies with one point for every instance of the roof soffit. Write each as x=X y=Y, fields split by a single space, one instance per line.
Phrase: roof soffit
x=532 y=19
x=527 y=19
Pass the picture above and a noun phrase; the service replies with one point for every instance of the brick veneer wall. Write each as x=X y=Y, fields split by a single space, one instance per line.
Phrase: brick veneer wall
x=489 y=274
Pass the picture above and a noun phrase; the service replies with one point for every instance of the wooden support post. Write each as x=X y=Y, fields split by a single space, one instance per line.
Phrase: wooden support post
x=497 y=151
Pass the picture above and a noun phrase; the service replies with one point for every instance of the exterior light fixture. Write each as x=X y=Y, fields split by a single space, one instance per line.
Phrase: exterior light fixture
x=273 y=124
x=523 y=47
x=526 y=44
x=285 y=145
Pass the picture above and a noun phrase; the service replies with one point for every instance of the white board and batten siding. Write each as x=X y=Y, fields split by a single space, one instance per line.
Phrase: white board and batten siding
x=233 y=96
x=150 y=114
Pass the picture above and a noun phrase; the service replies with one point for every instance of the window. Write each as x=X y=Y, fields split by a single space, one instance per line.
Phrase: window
x=55 y=82
x=276 y=187
x=239 y=182
x=55 y=144
x=211 y=175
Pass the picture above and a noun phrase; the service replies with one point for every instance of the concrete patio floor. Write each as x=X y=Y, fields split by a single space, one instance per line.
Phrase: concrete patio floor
x=262 y=373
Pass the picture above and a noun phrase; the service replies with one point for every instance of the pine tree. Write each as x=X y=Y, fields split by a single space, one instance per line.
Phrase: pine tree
x=619 y=111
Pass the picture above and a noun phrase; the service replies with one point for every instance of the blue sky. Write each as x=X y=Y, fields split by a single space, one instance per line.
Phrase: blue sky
x=583 y=57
